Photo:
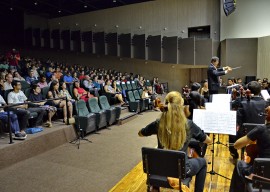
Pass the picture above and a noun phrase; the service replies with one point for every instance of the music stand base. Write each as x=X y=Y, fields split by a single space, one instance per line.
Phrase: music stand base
x=79 y=141
x=212 y=172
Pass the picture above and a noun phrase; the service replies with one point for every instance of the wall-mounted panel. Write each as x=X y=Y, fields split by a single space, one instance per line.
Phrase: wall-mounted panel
x=124 y=41
x=111 y=42
x=28 y=37
x=87 y=38
x=99 y=43
x=186 y=52
x=203 y=51
x=65 y=36
x=154 y=47
x=46 y=37
x=138 y=45
x=76 y=40
x=37 y=38
x=55 y=36
x=169 y=47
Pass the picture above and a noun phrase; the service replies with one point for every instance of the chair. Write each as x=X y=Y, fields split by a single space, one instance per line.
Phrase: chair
x=101 y=116
x=113 y=113
x=124 y=86
x=159 y=164
x=134 y=105
x=147 y=83
x=45 y=91
x=27 y=92
x=129 y=87
x=118 y=86
x=84 y=120
x=143 y=102
x=261 y=179
x=134 y=85
x=24 y=85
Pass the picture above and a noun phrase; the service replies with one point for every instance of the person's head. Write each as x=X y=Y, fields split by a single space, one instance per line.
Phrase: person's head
x=215 y=61
x=75 y=74
x=86 y=77
x=16 y=85
x=259 y=81
x=31 y=73
x=42 y=78
x=63 y=86
x=16 y=74
x=265 y=84
x=54 y=85
x=9 y=77
x=195 y=86
x=172 y=125
x=36 y=89
x=254 y=87
x=196 y=97
x=205 y=84
x=230 y=81
x=68 y=73
x=76 y=84
x=107 y=82
x=239 y=81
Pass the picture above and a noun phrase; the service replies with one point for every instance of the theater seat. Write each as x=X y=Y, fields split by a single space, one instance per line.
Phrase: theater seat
x=113 y=113
x=143 y=102
x=101 y=117
x=134 y=106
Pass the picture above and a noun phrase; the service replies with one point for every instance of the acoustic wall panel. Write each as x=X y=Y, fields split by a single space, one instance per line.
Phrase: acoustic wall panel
x=124 y=41
x=111 y=41
x=138 y=44
x=186 y=51
x=203 y=51
x=55 y=36
x=87 y=38
x=76 y=40
x=46 y=36
x=169 y=47
x=99 y=43
x=154 y=47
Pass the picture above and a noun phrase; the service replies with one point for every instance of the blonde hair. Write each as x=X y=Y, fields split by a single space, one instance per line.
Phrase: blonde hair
x=172 y=125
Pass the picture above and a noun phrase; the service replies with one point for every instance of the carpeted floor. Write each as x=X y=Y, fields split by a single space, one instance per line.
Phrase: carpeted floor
x=95 y=167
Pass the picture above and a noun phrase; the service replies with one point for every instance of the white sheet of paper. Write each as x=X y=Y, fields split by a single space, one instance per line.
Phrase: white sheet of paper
x=220 y=122
x=221 y=98
x=265 y=94
x=217 y=106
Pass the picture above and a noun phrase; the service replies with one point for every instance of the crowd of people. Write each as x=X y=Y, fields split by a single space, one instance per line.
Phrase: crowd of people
x=49 y=81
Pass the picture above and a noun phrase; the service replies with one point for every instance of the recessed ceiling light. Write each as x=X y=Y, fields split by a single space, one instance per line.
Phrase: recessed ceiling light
x=59 y=11
x=11 y=8
x=85 y=6
x=114 y=1
x=36 y=3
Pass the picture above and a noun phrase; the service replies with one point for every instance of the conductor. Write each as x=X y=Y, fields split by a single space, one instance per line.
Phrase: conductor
x=213 y=74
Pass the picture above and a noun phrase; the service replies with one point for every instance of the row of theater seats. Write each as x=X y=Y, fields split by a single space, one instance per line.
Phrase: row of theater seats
x=95 y=114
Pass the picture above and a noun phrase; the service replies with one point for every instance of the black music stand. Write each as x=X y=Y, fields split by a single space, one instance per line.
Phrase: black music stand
x=212 y=171
x=78 y=131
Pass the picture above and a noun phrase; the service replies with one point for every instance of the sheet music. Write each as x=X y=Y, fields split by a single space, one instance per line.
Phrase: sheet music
x=221 y=98
x=222 y=122
x=265 y=94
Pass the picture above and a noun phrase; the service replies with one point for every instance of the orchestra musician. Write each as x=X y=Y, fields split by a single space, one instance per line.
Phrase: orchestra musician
x=174 y=131
x=260 y=134
x=213 y=74
x=248 y=113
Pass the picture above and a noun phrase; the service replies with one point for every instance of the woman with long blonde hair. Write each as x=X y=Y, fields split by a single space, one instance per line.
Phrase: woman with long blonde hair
x=174 y=131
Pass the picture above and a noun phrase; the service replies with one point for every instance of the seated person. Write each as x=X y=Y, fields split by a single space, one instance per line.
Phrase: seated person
x=23 y=111
x=176 y=135
x=64 y=92
x=36 y=95
x=31 y=78
x=90 y=86
x=60 y=103
x=17 y=76
x=68 y=79
x=14 y=124
x=43 y=81
x=109 y=89
x=261 y=134
x=7 y=84
x=80 y=93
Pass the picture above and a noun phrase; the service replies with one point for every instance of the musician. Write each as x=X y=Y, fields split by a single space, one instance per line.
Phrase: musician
x=213 y=74
x=248 y=113
x=174 y=132
x=261 y=134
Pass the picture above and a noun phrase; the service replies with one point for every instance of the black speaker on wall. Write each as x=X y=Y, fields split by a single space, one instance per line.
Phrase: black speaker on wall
x=229 y=6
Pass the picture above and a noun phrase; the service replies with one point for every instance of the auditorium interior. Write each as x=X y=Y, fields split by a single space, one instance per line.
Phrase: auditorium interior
x=92 y=74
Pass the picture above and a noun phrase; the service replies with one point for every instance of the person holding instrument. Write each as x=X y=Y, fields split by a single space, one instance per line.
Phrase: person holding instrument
x=174 y=131
x=213 y=74
x=261 y=134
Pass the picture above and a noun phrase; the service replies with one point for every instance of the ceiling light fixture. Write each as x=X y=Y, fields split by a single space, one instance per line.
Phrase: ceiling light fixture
x=85 y=6
x=11 y=8
x=59 y=11
x=114 y=1
x=36 y=3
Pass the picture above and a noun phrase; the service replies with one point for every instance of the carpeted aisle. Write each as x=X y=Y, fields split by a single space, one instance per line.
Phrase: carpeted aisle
x=95 y=167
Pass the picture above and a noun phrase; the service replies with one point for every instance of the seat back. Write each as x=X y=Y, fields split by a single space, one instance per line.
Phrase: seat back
x=141 y=92
x=131 y=96
x=147 y=83
x=133 y=84
x=118 y=85
x=129 y=87
x=45 y=91
x=81 y=108
x=261 y=167
x=25 y=85
x=27 y=92
x=104 y=102
x=71 y=87
x=136 y=95
x=93 y=105
x=124 y=86
x=164 y=163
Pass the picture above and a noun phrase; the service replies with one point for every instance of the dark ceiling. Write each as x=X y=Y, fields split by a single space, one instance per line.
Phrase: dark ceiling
x=59 y=8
